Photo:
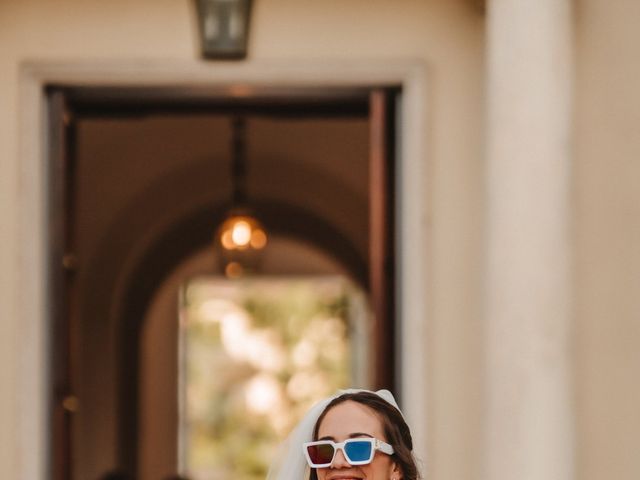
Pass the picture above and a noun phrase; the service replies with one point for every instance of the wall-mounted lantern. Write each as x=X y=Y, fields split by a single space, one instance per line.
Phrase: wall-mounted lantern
x=224 y=27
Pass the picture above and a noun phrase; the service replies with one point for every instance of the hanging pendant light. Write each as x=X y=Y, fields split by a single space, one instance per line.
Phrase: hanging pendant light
x=241 y=237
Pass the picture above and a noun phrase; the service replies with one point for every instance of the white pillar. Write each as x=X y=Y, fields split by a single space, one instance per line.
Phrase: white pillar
x=528 y=417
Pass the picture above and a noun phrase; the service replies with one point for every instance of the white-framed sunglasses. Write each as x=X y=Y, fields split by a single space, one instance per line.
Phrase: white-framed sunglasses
x=357 y=451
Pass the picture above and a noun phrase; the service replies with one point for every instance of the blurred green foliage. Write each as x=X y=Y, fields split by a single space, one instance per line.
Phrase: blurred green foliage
x=257 y=355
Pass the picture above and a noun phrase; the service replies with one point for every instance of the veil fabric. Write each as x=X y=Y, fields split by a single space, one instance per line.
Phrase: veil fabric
x=289 y=463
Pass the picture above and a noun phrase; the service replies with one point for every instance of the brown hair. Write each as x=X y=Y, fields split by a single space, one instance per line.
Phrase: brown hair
x=396 y=430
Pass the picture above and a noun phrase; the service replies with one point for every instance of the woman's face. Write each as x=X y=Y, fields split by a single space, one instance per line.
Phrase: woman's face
x=352 y=420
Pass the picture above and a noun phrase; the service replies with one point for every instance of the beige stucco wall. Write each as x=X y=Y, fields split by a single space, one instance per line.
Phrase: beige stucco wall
x=448 y=36
x=607 y=234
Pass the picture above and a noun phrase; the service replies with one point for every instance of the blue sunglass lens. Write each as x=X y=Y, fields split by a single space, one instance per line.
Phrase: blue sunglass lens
x=358 y=451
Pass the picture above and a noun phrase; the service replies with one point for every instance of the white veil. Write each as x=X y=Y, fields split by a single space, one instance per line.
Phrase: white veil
x=290 y=463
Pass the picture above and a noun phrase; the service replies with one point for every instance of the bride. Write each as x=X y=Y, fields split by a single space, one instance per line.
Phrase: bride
x=355 y=434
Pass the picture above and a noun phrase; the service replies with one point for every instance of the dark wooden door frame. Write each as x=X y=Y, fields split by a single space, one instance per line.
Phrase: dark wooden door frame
x=381 y=279
x=63 y=313
x=382 y=283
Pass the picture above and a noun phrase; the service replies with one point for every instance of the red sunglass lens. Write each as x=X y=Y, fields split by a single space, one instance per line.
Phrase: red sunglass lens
x=320 y=454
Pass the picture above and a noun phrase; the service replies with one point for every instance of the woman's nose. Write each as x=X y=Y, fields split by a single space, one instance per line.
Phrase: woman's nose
x=339 y=461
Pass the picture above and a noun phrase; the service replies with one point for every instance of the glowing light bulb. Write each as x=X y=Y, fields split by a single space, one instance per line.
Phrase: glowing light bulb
x=258 y=239
x=241 y=233
x=233 y=270
x=226 y=240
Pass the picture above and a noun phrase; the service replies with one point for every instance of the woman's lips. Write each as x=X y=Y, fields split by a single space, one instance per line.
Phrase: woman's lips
x=344 y=476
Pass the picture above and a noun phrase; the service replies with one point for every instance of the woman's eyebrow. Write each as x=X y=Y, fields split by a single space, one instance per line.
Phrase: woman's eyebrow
x=351 y=435
x=360 y=434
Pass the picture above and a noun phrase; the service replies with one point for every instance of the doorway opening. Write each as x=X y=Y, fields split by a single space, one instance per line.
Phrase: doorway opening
x=139 y=183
